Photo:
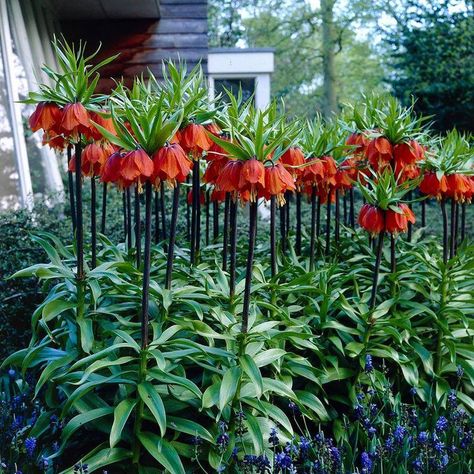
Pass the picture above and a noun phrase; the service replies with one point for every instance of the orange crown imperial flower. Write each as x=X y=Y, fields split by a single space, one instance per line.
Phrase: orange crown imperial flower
x=458 y=187
x=47 y=116
x=432 y=186
x=252 y=178
x=408 y=153
x=171 y=164
x=136 y=167
x=397 y=222
x=229 y=179
x=379 y=152
x=93 y=158
x=293 y=157
x=75 y=120
x=371 y=218
x=277 y=181
x=194 y=140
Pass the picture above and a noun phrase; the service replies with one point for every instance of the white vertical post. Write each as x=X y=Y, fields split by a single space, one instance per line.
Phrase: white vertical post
x=21 y=155
x=53 y=179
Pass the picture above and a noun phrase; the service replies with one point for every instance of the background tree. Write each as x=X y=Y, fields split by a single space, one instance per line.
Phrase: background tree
x=432 y=56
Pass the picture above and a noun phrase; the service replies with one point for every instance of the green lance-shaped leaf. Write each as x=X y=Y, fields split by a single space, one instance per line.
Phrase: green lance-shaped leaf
x=162 y=451
x=121 y=415
x=253 y=372
x=153 y=401
x=229 y=385
x=80 y=420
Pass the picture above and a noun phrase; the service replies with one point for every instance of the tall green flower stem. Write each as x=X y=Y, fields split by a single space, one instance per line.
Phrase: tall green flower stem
x=142 y=369
x=194 y=210
x=215 y=221
x=172 y=241
x=93 y=223
x=103 y=216
x=208 y=218
x=375 y=281
x=225 y=240
x=283 y=227
x=188 y=216
x=273 y=235
x=463 y=222
x=250 y=257
x=138 y=225
x=72 y=201
x=124 y=209
x=318 y=218
x=233 y=246
x=129 y=218
x=445 y=230
x=346 y=216
x=328 y=225
x=146 y=267
x=351 y=208
x=456 y=228
x=423 y=213
x=156 y=211
x=298 y=223
x=79 y=218
x=393 y=257
x=289 y=198
x=312 y=241
x=410 y=225
x=80 y=282
x=164 y=233
x=337 y=218
x=442 y=305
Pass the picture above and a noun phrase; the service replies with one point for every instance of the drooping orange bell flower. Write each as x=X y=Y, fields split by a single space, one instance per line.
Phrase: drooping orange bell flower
x=397 y=222
x=105 y=122
x=252 y=178
x=379 y=152
x=47 y=116
x=112 y=170
x=371 y=218
x=358 y=141
x=458 y=187
x=406 y=172
x=171 y=164
x=213 y=128
x=216 y=152
x=194 y=139
x=432 y=186
x=469 y=195
x=93 y=158
x=213 y=170
x=137 y=167
x=408 y=153
x=278 y=180
x=75 y=120
x=217 y=196
x=54 y=140
x=229 y=179
x=291 y=158
x=313 y=173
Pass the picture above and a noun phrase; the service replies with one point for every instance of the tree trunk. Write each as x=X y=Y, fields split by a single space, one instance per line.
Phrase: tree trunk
x=329 y=73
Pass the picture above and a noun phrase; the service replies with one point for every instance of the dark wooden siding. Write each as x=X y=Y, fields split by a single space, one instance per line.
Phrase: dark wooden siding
x=181 y=31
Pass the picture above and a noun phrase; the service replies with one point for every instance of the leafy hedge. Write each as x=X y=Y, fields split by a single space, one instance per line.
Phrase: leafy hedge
x=299 y=369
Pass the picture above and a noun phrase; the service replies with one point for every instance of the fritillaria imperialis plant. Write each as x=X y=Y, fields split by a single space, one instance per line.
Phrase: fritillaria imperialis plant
x=384 y=212
x=448 y=174
x=255 y=146
x=65 y=112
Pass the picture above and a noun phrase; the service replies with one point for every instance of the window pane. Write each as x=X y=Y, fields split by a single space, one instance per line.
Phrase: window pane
x=9 y=179
x=246 y=83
